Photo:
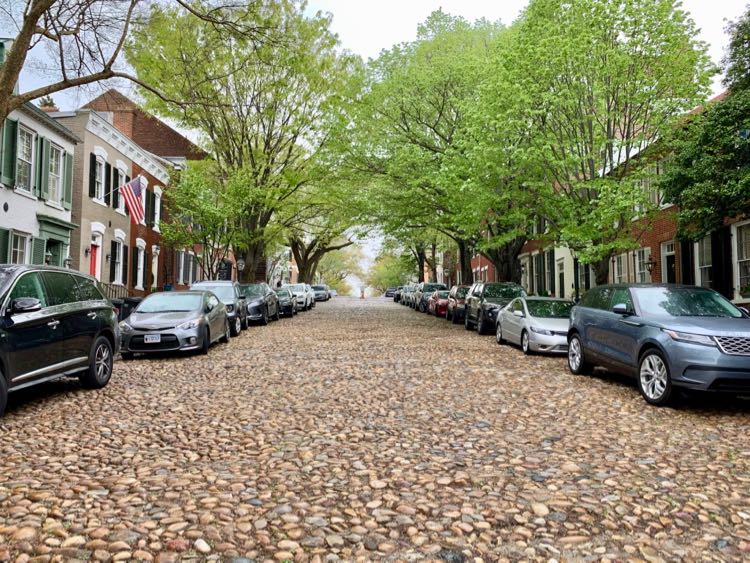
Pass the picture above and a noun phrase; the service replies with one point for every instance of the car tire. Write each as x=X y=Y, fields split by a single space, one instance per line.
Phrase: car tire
x=264 y=318
x=577 y=363
x=205 y=343
x=278 y=313
x=481 y=329
x=654 y=381
x=447 y=314
x=236 y=327
x=3 y=394
x=525 y=346
x=499 y=334
x=227 y=332
x=99 y=371
x=454 y=318
x=126 y=356
x=467 y=323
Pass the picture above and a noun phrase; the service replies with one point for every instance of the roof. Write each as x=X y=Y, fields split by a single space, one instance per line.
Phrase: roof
x=32 y=111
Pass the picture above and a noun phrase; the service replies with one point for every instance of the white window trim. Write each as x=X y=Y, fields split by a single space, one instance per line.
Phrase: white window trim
x=736 y=264
x=61 y=178
x=100 y=152
x=157 y=206
x=21 y=189
x=144 y=189
x=96 y=198
x=119 y=260
x=663 y=258
x=697 y=261
x=141 y=270
x=27 y=246
x=155 y=265
x=190 y=279
x=120 y=170
x=647 y=256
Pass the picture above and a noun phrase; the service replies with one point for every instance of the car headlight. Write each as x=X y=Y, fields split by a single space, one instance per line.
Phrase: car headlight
x=543 y=331
x=701 y=339
x=125 y=327
x=189 y=325
x=230 y=308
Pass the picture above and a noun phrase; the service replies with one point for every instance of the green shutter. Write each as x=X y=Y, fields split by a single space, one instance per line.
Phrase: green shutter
x=68 y=181
x=10 y=138
x=37 y=250
x=44 y=169
x=4 y=246
x=36 y=180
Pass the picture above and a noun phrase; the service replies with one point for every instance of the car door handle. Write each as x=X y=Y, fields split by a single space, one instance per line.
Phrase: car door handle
x=631 y=323
x=53 y=324
x=91 y=315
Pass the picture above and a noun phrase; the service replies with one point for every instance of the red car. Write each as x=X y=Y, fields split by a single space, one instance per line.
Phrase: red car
x=437 y=304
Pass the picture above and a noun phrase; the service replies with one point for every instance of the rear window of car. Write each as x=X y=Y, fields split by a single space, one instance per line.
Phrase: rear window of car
x=433 y=286
x=442 y=294
x=503 y=291
x=597 y=298
x=29 y=285
x=222 y=291
x=461 y=292
x=87 y=290
x=549 y=309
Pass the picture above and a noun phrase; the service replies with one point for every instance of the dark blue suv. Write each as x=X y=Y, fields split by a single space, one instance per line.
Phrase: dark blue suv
x=664 y=335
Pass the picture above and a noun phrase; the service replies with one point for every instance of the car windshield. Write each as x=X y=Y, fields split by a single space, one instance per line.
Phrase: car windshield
x=503 y=291
x=253 y=290
x=319 y=287
x=442 y=294
x=432 y=287
x=170 y=303
x=282 y=292
x=221 y=291
x=549 y=309
x=461 y=292
x=684 y=302
x=296 y=287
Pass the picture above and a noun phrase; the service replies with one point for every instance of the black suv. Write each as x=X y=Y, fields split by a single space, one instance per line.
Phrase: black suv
x=53 y=323
x=483 y=302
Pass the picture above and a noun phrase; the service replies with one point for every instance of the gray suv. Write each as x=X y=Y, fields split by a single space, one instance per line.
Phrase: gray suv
x=230 y=293
x=666 y=336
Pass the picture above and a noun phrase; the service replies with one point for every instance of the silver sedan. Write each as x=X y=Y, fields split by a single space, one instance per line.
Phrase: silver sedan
x=537 y=324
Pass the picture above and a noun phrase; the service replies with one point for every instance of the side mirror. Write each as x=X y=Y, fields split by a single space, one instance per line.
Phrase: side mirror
x=24 y=305
x=745 y=310
x=621 y=309
x=209 y=307
x=518 y=314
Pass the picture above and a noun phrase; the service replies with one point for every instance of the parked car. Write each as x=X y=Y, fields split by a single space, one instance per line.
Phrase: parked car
x=302 y=295
x=53 y=323
x=437 y=303
x=175 y=320
x=231 y=295
x=397 y=293
x=537 y=324
x=261 y=302
x=456 y=303
x=389 y=292
x=666 y=336
x=406 y=294
x=311 y=292
x=423 y=292
x=321 y=292
x=287 y=302
x=484 y=300
x=333 y=293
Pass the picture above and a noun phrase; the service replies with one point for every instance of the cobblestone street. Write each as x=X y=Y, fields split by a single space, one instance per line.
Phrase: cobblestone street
x=362 y=430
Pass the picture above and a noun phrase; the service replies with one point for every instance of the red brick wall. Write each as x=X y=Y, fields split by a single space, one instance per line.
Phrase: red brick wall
x=663 y=229
x=151 y=237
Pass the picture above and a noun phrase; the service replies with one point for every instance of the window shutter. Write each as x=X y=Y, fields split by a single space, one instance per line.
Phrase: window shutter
x=107 y=183
x=125 y=265
x=4 y=246
x=68 y=182
x=149 y=208
x=127 y=212
x=36 y=187
x=116 y=188
x=551 y=271
x=92 y=175
x=37 y=250
x=112 y=260
x=44 y=169
x=10 y=137
x=146 y=264
x=195 y=269
x=134 y=266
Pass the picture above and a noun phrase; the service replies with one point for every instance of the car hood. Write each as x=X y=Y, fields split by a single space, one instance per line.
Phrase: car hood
x=254 y=300
x=158 y=320
x=556 y=325
x=710 y=326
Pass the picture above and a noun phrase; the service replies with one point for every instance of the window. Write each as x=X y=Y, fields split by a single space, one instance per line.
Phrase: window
x=29 y=285
x=115 y=274
x=621 y=296
x=179 y=266
x=24 y=159
x=87 y=290
x=62 y=288
x=597 y=298
x=19 y=250
x=561 y=277
x=154 y=267
x=619 y=274
x=119 y=182
x=140 y=269
x=99 y=180
x=743 y=259
x=55 y=174
x=642 y=275
x=703 y=252
x=157 y=208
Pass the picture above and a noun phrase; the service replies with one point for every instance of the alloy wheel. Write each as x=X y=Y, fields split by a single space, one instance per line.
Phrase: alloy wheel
x=237 y=325
x=102 y=362
x=654 y=377
x=525 y=342
x=499 y=333
x=574 y=354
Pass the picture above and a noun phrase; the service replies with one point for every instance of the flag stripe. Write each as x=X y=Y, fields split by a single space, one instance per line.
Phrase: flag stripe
x=132 y=194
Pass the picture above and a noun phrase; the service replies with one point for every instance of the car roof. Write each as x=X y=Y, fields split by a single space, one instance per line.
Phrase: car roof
x=213 y=282
x=648 y=285
x=539 y=298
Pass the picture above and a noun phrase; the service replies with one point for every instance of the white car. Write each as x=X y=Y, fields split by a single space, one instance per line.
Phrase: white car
x=537 y=324
x=303 y=294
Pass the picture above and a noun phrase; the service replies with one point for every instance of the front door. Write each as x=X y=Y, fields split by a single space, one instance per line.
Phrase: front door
x=54 y=248
x=669 y=271
x=93 y=259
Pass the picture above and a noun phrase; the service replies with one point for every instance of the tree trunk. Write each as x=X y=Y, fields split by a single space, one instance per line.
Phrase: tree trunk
x=464 y=259
x=505 y=260
x=421 y=257
x=433 y=263
x=601 y=270
x=254 y=257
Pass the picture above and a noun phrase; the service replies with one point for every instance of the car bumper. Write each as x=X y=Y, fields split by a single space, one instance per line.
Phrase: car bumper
x=171 y=340
x=546 y=344
x=321 y=297
x=286 y=308
x=254 y=313
x=708 y=369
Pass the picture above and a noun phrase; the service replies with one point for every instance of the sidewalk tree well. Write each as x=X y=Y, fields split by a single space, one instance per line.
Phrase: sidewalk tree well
x=598 y=82
x=83 y=41
x=262 y=108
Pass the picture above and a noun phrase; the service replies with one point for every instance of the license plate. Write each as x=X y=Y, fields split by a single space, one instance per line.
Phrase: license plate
x=152 y=338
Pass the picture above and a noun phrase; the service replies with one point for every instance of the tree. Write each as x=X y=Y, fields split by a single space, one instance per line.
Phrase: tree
x=262 y=108
x=85 y=38
x=339 y=265
x=599 y=81
x=390 y=270
x=709 y=172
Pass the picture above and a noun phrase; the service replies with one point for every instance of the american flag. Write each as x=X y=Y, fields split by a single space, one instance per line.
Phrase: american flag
x=132 y=192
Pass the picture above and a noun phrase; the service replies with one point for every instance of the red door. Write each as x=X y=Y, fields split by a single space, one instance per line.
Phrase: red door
x=93 y=259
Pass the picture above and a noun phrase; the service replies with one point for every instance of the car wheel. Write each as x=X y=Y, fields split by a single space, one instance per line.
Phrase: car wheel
x=577 y=363
x=278 y=313
x=227 y=331
x=100 y=365
x=126 y=356
x=654 y=381
x=467 y=323
x=447 y=314
x=206 y=342
x=264 y=318
x=236 y=327
x=481 y=329
x=525 y=343
x=245 y=323
x=499 y=334
x=454 y=318
x=3 y=394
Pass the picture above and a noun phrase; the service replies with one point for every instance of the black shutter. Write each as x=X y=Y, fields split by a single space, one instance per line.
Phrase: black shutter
x=150 y=203
x=195 y=269
x=134 y=265
x=107 y=183
x=125 y=265
x=116 y=188
x=112 y=260
x=127 y=212
x=92 y=175
x=146 y=264
x=551 y=271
